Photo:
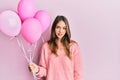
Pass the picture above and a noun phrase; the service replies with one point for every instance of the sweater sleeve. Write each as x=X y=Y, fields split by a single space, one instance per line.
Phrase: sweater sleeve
x=42 y=63
x=78 y=71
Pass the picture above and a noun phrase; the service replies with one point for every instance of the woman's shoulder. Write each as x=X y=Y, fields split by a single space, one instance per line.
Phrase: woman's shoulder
x=74 y=47
x=73 y=43
x=45 y=45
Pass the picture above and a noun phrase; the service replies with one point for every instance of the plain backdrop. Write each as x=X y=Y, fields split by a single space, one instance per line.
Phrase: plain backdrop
x=94 y=24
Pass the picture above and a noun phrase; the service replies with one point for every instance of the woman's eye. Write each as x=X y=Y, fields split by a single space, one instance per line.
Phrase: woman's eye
x=58 y=27
x=64 y=28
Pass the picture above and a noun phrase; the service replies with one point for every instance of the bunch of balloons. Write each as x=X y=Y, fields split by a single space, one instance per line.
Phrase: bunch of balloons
x=27 y=21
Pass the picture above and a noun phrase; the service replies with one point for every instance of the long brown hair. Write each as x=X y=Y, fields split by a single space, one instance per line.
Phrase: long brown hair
x=65 y=40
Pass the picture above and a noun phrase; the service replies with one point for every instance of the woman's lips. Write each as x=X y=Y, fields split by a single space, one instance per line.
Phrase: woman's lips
x=59 y=34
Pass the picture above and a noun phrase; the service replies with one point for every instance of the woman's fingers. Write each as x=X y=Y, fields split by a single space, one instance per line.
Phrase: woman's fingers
x=33 y=67
x=29 y=69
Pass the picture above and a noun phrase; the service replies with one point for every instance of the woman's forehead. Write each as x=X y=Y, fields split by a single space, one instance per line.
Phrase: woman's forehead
x=61 y=23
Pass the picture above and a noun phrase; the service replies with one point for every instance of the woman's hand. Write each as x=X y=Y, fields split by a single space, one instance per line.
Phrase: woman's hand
x=33 y=67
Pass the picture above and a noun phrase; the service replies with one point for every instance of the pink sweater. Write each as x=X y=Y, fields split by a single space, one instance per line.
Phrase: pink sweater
x=60 y=67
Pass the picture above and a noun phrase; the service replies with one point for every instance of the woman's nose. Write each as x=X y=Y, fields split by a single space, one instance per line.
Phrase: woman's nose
x=60 y=30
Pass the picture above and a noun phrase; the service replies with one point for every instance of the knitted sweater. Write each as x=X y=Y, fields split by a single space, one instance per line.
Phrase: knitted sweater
x=60 y=67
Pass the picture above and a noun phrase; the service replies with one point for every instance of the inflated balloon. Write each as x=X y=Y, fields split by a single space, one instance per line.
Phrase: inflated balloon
x=10 y=23
x=26 y=9
x=44 y=19
x=31 y=30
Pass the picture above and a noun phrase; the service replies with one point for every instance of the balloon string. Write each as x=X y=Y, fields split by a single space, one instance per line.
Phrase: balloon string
x=42 y=39
x=23 y=49
x=12 y=38
x=24 y=52
x=35 y=45
x=34 y=76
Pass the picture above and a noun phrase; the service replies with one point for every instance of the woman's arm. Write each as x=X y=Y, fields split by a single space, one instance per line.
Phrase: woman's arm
x=78 y=70
x=42 y=62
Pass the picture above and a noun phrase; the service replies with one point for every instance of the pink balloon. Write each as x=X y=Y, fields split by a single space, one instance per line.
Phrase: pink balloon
x=44 y=19
x=26 y=9
x=10 y=23
x=31 y=30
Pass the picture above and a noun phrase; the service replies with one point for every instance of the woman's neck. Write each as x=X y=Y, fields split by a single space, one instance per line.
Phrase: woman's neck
x=60 y=45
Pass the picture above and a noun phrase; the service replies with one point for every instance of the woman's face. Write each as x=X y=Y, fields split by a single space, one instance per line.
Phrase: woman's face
x=60 y=29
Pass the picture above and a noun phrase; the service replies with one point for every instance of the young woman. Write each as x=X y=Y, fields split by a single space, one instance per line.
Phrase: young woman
x=60 y=56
